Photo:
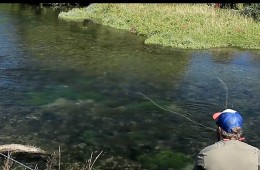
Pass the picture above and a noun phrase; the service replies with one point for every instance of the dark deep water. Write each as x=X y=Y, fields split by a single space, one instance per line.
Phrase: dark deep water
x=75 y=86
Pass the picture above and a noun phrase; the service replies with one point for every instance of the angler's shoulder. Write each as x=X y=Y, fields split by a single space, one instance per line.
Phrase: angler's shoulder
x=212 y=147
x=250 y=147
x=229 y=145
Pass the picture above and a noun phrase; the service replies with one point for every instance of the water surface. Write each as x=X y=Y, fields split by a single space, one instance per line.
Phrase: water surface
x=76 y=86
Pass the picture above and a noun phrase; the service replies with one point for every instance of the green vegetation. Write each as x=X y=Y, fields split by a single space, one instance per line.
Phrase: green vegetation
x=192 y=26
x=252 y=10
x=89 y=137
x=165 y=160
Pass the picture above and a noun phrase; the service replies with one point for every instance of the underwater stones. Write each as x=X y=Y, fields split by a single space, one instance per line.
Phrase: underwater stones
x=120 y=109
x=133 y=123
x=32 y=117
x=63 y=107
x=81 y=145
x=148 y=120
x=84 y=102
x=60 y=102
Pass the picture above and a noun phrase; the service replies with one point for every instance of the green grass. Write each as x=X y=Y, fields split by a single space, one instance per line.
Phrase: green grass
x=192 y=26
x=165 y=160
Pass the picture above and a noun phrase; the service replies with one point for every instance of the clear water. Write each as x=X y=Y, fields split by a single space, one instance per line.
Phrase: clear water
x=76 y=85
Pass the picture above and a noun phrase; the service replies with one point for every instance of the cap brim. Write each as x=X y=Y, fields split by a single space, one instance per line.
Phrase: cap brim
x=216 y=115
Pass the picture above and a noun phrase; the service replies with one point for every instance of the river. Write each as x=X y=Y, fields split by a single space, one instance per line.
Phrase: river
x=76 y=86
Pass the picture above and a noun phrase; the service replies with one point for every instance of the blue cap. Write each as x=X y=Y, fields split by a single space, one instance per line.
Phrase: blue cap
x=229 y=119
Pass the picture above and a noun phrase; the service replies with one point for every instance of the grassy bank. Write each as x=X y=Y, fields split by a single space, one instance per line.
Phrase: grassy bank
x=194 y=26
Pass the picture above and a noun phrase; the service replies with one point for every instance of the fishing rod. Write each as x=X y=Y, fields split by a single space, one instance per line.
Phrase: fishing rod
x=186 y=117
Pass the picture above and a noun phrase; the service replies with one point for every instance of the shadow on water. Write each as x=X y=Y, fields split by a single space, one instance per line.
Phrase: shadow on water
x=75 y=85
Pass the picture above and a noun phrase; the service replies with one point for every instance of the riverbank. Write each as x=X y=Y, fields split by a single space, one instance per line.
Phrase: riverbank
x=196 y=26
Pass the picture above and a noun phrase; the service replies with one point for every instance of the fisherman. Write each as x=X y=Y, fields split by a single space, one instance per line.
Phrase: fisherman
x=230 y=152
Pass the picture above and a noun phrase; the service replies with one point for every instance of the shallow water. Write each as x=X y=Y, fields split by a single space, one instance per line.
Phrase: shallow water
x=76 y=86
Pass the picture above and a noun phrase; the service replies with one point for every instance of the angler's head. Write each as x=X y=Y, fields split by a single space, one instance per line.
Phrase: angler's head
x=230 y=123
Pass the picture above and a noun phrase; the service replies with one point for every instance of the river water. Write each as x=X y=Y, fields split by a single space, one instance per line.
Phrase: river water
x=75 y=86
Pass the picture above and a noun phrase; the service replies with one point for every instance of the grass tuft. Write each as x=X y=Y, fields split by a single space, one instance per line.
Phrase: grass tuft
x=192 y=26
